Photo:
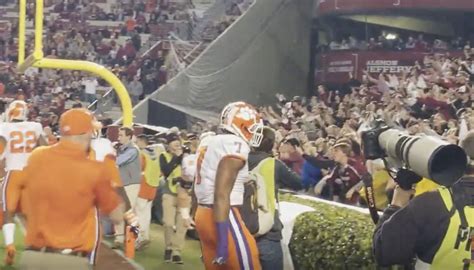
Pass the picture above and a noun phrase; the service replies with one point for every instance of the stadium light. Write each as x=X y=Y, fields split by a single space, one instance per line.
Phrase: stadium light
x=391 y=36
x=37 y=60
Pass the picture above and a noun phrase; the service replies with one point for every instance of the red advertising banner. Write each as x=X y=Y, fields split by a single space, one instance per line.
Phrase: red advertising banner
x=334 y=67
x=344 y=6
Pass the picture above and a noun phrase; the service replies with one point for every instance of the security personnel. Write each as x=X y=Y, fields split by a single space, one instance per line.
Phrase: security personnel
x=276 y=175
x=437 y=227
x=170 y=165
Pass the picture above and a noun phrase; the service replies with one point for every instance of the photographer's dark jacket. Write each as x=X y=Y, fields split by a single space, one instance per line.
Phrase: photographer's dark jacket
x=170 y=166
x=428 y=228
x=284 y=177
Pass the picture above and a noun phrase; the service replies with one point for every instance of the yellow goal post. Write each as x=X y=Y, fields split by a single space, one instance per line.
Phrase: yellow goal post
x=37 y=60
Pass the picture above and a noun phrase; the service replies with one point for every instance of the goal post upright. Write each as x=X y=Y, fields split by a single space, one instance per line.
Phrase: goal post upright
x=38 y=60
x=21 y=32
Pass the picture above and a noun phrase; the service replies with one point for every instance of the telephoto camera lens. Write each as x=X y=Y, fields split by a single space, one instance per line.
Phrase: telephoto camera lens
x=427 y=156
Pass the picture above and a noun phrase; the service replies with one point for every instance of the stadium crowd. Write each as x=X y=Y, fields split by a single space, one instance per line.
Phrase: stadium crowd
x=70 y=36
x=319 y=137
x=395 y=42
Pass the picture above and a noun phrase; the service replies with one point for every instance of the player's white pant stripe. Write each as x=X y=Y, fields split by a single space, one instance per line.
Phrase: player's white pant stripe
x=97 y=237
x=240 y=241
x=4 y=191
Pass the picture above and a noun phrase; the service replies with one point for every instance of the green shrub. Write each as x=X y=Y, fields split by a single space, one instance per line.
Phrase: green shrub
x=331 y=238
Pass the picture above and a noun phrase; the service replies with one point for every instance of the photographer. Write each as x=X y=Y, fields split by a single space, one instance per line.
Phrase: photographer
x=171 y=169
x=436 y=227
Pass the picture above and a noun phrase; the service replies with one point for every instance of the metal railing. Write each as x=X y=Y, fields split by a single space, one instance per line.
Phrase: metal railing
x=103 y=104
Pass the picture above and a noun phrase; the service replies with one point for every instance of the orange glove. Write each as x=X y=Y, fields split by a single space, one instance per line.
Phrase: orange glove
x=10 y=253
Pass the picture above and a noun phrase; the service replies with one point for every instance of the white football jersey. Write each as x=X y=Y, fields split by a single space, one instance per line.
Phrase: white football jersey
x=22 y=138
x=101 y=148
x=218 y=147
x=188 y=166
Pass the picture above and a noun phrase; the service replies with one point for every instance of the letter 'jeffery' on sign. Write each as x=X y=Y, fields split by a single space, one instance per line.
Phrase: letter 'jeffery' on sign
x=387 y=66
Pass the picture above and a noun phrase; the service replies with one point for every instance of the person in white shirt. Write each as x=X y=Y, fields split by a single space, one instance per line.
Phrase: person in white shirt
x=90 y=88
x=135 y=88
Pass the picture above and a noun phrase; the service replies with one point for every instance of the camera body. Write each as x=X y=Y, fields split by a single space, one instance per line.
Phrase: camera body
x=370 y=139
x=186 y=149
x=427 y=156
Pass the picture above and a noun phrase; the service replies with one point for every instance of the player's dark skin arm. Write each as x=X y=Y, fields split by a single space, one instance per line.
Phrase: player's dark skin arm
x=226 y=175
x=194 y=203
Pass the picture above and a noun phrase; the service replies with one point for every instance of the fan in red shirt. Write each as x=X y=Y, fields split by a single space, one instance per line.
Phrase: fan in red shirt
x=345 y=178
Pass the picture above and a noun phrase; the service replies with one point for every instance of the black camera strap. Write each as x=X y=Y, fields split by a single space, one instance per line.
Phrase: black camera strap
x=369 y=194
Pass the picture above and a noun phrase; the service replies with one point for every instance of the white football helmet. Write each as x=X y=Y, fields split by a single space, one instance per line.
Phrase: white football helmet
x=243 y=120
x=17 y=110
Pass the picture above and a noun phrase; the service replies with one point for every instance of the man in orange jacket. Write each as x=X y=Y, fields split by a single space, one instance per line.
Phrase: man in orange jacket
x=60 y=196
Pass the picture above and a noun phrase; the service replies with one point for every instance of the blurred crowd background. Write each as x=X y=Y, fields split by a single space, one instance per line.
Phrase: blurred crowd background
x=111 y=35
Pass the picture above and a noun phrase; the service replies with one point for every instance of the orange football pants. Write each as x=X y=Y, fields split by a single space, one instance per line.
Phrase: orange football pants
x=243 y=251
x=11 y=192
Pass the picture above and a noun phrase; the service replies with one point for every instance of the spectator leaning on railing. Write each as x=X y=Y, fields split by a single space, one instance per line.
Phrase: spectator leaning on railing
x=345 y=179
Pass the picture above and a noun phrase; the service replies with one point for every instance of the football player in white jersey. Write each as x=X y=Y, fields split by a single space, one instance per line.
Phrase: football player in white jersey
x=222 y=170
x=18 y=138
x=102 y=149
x=188 y=166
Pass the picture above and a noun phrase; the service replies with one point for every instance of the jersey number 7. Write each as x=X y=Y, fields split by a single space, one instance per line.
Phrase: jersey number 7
x=201 y=153
x=22 y=142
